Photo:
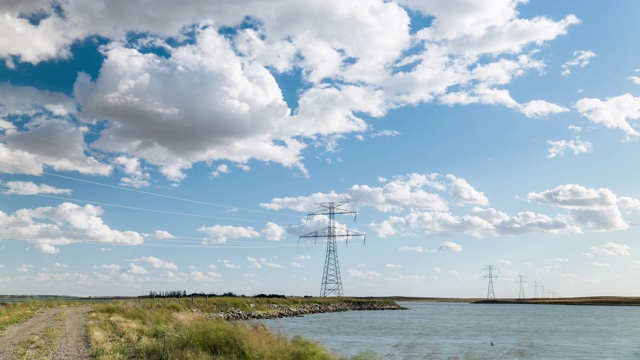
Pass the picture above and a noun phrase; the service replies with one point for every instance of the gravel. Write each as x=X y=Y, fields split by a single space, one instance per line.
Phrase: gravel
x=74 y=343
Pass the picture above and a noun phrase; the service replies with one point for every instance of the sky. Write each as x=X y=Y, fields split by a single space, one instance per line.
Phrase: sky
x=149 y=146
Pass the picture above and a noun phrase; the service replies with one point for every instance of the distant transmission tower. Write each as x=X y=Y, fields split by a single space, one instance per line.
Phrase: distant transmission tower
x=490 y=293
x=331 y=281
x=521 y=293
x=535 y=286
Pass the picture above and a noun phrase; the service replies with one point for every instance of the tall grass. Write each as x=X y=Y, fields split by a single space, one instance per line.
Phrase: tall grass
x=169 y=330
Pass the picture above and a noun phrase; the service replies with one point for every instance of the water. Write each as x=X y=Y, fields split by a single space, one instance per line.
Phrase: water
x=466 y=331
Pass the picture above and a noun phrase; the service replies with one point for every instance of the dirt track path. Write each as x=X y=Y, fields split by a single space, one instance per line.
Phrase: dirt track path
x=72 y=344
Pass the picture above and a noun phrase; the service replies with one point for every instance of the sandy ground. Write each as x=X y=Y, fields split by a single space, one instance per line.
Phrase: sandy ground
x=74 y=343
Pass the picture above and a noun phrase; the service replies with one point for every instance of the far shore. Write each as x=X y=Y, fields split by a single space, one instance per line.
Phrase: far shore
x=584 y=300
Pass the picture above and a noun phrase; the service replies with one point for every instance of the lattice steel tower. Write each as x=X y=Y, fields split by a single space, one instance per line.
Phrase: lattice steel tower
x=521 y=293
x=490 y=293
x=331 y=281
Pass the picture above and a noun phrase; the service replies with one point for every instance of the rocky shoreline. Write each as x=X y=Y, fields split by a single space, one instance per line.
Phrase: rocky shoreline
x=281 y=311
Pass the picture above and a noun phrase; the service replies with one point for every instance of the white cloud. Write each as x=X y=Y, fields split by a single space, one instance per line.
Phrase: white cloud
x=157 y=263
x=386 y=133
x=219 y=234
x=58 y=265
x=596 y=208
x=615 y=112
x=135 y=269
x=273 y=232
x=505 y=262
x=363 y=58
x=44 y=248
x=131 y=166
x=202 y=277
x=303 y=257
x=611 y=248
x=162 y=235
x=462 y=191
x=30 y=188
x=393 y=266
x=25 y=268
x=541 y=108
x=450 y=246
x=581 y=58
x=296 y=265
x=383 y=229
x=47 y=227
x=110 y=267
x=401 y=193
x=576 y=145
x=417 y=249
x=487 y=222
x=635 y=79
x=362 y=274
x=221 y=169
x=600 y=264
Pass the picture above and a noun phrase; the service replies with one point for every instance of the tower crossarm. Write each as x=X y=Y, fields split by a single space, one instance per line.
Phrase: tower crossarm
x=339 y=233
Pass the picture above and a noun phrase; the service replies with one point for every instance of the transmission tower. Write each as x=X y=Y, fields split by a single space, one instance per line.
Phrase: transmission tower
x=331 y=281
x=521 y=293
x=535 y=286
x=490 y=293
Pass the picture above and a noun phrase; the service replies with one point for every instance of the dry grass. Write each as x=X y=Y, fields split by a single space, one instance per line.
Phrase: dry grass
x=39 y=346
x=159 y=330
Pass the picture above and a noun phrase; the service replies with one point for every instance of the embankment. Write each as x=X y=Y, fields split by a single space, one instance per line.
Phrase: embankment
x=274 y=311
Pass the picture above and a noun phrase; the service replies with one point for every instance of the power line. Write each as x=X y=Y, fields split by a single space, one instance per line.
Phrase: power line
x=147 y=209
x=155 y=194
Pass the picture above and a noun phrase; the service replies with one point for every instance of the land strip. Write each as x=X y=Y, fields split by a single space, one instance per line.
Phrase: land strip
x=54 y=333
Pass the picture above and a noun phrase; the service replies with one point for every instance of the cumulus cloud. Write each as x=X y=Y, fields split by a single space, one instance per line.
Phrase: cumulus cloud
x=131 y=166
x=47 y=227
x=30 y=188
x=219 y=234
x=611 y=248
x=209 y=276
x=363 y=58
x=135 y=269
x=541 y=108
x=614 y=112
x=162 y=235
x=418 y=249
x=461 y=190
x=403 y=192
x=110 y=267
x=157 y=263
x=273 y=232
x=363 y=274
x=577 y=146
x=581 y=58
x=596 y=208
x=450 y=246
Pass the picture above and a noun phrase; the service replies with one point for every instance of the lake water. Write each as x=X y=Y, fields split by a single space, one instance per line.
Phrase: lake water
x=466 y=331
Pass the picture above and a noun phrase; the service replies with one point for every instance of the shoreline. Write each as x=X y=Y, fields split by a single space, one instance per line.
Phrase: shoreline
x=277 y=311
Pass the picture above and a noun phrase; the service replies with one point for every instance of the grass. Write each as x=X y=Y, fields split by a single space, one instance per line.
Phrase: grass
x=166 y=330
x=39 y=346
x=15 y=313
x=177 y=329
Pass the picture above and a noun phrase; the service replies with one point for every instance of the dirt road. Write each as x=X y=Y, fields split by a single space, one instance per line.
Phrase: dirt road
x=57 y=333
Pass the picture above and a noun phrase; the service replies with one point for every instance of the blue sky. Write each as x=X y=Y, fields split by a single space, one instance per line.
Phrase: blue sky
x=154 y=147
